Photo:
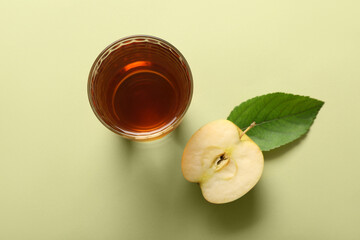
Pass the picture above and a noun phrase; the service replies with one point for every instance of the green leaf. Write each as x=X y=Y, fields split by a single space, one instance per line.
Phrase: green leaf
x=280 y=118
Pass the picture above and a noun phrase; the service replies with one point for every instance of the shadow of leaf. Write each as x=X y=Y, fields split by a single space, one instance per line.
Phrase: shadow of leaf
x=277 y=152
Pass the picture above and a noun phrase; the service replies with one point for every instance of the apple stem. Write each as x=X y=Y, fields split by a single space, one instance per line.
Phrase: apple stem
x=248 y=128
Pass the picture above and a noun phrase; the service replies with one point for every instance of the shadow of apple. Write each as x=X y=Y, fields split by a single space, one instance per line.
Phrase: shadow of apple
x=234 y=216
x=153 y=170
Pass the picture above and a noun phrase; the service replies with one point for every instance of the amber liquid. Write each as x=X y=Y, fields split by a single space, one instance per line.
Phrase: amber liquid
x=141 y=87
x=144 y=100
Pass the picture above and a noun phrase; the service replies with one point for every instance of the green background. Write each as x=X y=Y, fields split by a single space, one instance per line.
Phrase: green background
x=65 y=176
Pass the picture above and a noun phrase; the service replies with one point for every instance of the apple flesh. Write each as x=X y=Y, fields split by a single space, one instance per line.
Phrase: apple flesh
x=223 y=160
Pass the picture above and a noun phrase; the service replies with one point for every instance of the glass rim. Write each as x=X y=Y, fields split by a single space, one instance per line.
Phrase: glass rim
x=151 y=135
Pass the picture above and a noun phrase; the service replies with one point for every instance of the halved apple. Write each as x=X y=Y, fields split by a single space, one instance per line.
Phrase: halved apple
x=223 y=160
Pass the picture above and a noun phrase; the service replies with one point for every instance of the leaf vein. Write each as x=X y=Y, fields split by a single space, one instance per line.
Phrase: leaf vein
x=284 y=117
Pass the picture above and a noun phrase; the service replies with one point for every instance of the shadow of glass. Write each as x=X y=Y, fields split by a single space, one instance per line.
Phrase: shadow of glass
x=153 y=166
x=181 y=134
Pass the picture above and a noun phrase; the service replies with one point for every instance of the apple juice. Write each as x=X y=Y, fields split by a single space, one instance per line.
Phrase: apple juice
x=140 y=85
